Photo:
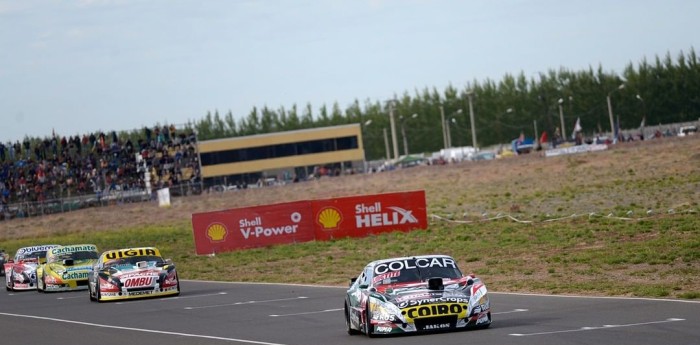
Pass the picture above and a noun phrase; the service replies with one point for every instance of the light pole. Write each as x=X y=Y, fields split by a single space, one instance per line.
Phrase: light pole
x=644 y=109
x=561 y=117
x=364 y=149
x=451 y=118
x=499 y=122
x=403 y=132
x=610 y=113
x=470 y=93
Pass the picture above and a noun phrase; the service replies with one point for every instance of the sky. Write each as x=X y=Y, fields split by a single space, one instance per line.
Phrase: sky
x=79 y=66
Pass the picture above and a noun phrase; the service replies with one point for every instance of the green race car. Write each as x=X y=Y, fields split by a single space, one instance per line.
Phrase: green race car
x=67 y=268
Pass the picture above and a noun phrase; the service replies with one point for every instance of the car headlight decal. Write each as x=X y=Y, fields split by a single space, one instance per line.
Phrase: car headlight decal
x=385 y=311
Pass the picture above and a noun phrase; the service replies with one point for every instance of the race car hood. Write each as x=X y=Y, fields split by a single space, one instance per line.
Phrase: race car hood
x=24 y=266
x=406 y=297
x=419 y=294
x=130 y=277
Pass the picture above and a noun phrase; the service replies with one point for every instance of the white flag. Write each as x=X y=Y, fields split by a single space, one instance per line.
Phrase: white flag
x=577 y=128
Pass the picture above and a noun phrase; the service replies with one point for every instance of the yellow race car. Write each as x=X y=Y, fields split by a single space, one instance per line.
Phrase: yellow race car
x=67 y=268
x=132 y=273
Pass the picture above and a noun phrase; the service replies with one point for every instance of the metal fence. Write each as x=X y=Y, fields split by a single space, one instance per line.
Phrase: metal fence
x=98 y=199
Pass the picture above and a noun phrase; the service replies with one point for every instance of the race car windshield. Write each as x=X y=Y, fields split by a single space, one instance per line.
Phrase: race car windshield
x=34 y=255
x=84 y=255
x=132 y=260
x=76 y=256
x=407 y=271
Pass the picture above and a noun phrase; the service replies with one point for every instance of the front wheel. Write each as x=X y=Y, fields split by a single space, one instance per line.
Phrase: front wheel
x=486 y=325
x=98 y=297
x=348 y=325
x=369 y=328
x=40 y=284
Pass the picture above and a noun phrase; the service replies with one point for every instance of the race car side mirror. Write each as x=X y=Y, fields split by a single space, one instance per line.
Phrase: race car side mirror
x=353 y=280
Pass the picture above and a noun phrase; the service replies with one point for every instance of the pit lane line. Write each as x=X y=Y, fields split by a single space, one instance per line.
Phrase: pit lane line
x=142 y=330
x=595 y=328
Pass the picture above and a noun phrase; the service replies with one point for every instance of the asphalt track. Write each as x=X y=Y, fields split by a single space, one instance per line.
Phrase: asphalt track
x=270 y=314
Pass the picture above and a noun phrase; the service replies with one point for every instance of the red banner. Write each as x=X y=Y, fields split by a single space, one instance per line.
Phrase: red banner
x=250 y=227
x=355 y=216
x=359 y=216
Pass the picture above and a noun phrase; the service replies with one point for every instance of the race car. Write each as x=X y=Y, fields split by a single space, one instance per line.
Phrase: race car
x=132 y=273
x=66 y=268
x=415 y=294
x=20 y=272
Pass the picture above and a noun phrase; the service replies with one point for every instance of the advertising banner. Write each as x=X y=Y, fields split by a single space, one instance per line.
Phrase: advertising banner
x=251 y=227
x=359 y=216
x=302 y=221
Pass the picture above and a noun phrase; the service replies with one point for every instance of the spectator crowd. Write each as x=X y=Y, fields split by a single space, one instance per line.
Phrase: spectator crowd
x=97 y=163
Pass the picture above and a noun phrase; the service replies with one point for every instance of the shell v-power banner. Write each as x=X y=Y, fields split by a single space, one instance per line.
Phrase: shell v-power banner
x=302 y=221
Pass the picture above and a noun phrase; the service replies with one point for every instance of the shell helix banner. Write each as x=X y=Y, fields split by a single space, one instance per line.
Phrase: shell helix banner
x=359 y=216
x=301 y=221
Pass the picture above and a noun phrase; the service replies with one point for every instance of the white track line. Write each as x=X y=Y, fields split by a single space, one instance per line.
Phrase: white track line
x=511 y=311
x=143 y=330
x=246 y=302
x=597 y=328
x=308 y=312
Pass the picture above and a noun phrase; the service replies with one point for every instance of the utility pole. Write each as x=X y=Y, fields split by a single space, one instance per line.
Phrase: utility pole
x=393 y=130
x=471 y=117
x=386 y=145
x=444 y=131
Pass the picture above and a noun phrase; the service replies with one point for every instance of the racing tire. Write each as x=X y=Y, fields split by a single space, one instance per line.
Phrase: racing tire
x=98 y=297
x=41 y=282
x=178 y=285
x=92 y=299
x=348 y=326
x=369 y=329
x=8 y=284
x=486 y=325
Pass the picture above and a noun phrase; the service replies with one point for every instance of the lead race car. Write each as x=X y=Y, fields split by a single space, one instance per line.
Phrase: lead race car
x=415 y=294
x=132 y=273
x=66 y=268
x=20 y=272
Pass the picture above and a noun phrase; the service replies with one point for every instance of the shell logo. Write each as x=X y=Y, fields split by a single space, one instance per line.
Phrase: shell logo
x=329 y=218
x=217 y=232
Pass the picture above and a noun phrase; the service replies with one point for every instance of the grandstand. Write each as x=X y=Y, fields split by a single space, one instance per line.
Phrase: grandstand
x=60 y=174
